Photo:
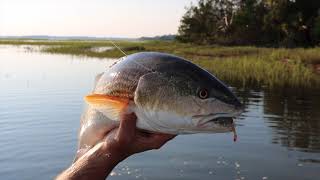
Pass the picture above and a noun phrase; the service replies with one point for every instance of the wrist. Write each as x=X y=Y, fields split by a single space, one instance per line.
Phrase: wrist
x=98 y=162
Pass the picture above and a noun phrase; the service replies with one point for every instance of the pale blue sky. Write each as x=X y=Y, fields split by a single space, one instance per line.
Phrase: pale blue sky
x=114 y=18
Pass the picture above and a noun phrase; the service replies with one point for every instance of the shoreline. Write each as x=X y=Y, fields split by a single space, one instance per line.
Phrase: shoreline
x=244 y=66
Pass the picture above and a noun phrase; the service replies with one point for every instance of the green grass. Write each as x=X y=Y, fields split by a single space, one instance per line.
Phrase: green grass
x=253 y=71
x=240 y=66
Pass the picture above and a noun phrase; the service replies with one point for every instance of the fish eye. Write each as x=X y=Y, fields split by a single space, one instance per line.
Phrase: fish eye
x=203 y=93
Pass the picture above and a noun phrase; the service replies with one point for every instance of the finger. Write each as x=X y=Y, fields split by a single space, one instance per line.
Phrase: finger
x=150 y=136
x=163 y=137
x=127 y=126
x=155 y=141
x=142 y=134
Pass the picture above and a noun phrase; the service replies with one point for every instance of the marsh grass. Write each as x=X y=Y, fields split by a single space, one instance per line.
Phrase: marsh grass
x=240 y=66
x=253 y=71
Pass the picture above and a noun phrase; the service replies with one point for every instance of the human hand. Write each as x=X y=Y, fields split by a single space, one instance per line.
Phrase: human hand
x=127 y=140
x=118 y=144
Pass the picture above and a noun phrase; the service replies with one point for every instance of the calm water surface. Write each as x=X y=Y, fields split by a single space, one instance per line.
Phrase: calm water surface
x=41 y=102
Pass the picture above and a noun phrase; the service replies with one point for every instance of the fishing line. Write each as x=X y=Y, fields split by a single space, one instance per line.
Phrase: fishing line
x=114 y=44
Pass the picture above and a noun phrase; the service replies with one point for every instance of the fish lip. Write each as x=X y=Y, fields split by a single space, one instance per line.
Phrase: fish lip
x=223 y=119
x=218 y=115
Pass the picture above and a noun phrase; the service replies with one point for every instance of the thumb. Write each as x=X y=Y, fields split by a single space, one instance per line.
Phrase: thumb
x=127 y=128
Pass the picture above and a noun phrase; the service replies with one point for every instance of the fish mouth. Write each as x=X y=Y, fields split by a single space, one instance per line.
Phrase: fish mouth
x=221 y=119
x=224 y=121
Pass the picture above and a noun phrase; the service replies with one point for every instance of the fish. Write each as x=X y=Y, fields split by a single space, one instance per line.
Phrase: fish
x=168 y=94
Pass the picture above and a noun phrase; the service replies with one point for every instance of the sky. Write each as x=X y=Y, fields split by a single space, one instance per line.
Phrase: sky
x=100 y=18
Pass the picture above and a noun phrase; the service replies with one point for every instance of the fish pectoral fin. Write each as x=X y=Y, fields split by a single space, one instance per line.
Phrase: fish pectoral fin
x=109 y=105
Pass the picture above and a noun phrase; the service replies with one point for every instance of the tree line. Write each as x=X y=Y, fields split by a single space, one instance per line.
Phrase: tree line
x=287 y=23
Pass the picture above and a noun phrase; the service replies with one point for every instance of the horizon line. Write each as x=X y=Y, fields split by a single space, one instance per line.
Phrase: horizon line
x=81 y=36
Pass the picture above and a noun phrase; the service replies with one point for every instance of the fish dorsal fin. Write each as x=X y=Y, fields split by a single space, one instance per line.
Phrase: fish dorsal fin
x=110 y=106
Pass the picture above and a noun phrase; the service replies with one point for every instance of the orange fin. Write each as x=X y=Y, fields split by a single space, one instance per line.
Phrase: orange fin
x=109 y=105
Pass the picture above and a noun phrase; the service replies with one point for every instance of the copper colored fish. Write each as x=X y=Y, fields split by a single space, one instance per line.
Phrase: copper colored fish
x=167 y=93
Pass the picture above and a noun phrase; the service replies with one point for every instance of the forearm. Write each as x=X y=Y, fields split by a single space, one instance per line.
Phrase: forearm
x=118 y=144
x=95 y=164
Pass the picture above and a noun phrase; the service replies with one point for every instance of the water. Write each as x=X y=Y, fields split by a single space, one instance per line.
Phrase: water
x=41 y=102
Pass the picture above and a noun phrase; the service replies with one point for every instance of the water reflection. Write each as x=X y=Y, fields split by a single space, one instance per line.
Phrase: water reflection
x=293 y=116
x=298 y=122
x=310 y=160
